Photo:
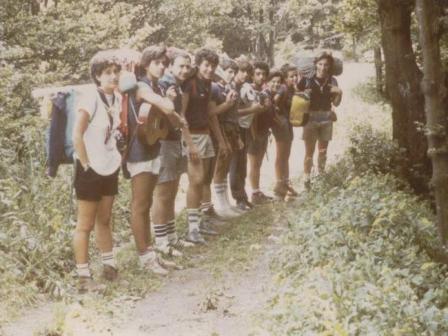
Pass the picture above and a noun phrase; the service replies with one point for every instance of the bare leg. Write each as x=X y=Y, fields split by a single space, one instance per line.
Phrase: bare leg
x=86 y=221
x=142 y=192
x=103 y=229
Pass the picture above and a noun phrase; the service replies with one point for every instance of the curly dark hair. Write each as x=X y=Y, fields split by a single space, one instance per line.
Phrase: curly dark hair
x=262 y=65
x=206 y=55
x=275 y=73
x=285 y=68
x=101 y=61
x=244 y=65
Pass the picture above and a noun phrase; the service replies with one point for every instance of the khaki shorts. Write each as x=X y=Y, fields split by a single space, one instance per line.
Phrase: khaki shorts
x=173 y=160
x=152 y=167
x=204 y=144
x=318 y=131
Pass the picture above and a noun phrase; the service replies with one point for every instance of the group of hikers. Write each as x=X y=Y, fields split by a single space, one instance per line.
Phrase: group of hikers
x=206 y=116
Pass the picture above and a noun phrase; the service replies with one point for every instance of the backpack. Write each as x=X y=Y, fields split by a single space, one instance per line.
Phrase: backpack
x=300 y=105
x=59 y=134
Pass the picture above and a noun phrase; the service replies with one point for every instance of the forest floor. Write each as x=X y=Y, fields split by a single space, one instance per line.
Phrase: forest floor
x=224 y=285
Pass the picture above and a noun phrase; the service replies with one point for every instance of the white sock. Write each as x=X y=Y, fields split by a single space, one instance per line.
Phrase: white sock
x=171 y=231
x=193 y=219
x=160 y=231
x=108 y=259
x=220 y=191
x=254 y=191
x=83 y=270
x=205 y=206
x=226 y=194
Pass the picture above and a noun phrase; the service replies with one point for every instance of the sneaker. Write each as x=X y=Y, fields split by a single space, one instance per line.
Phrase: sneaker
x=205 y=227
x=211 y=212
x=195 y=237
x=153 y=265
x=238 y=210
x=213 y=221
x=250 y=205
x=168 y=250
x=167 y=264
x=88 y=285
x=291 y=191
x=109 y=273
x=180 y=244
x=280 y=190
x=260 y=198
x=242 y=206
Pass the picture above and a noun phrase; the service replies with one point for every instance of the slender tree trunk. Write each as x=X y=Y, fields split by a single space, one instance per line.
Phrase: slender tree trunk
x=428 y=14
x=378 y=69
x=403 y=87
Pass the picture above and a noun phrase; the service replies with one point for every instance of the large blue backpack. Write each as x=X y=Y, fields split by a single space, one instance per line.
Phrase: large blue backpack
x=59 y=134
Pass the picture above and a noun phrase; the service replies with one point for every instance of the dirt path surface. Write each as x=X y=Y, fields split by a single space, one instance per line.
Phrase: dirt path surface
x=194 y=301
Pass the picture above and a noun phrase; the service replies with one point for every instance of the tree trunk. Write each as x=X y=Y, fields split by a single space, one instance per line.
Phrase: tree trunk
x=403 y=87
x=378 y=69
x=433 y=86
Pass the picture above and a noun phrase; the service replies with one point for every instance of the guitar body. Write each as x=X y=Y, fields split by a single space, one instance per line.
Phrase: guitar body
x=152 y=125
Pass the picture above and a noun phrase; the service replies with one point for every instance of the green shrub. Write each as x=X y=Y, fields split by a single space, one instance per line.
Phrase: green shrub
x=351 y=266
x=375 y=151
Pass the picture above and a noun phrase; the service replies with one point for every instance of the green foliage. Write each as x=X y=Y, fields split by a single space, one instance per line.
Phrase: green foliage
x=350 y=264
x=374 y=151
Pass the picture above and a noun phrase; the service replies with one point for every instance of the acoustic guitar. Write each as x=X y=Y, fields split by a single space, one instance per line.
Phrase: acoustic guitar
x=152 y=124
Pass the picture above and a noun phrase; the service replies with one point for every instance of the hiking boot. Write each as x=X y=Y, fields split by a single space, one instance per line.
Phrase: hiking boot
x=260 y=198
x=88 y=285
x=205 y=227
x=180 y=244
x=153 y=265
x=110 y=273
x=168 y=250
x=195 y=237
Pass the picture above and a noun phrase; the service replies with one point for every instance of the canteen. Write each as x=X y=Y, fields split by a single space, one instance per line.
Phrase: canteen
x=299 y=109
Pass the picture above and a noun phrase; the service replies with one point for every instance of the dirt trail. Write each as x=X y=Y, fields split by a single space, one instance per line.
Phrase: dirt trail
x=192 y=301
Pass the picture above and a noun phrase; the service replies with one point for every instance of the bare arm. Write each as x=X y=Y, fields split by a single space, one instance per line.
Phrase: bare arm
x=214 y=124
x=336 y=95
x=192 y=150
x=82 y=122
x=253 y=109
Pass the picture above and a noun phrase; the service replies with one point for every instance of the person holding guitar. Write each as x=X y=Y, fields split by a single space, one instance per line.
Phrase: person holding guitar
x=195 y=108
x=152 y=111
x=173 y=162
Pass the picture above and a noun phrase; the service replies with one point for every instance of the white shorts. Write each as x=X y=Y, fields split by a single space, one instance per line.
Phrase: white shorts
x=152 y=167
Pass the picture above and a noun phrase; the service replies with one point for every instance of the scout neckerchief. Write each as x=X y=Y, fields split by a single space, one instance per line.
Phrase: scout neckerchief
x=108 y=111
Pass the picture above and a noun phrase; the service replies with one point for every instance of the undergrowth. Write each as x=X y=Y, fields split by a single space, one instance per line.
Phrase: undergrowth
x=353 y=262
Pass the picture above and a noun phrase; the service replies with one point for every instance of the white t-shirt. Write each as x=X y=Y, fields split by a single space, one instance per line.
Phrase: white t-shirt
x=99 y=137
x=247 y=96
